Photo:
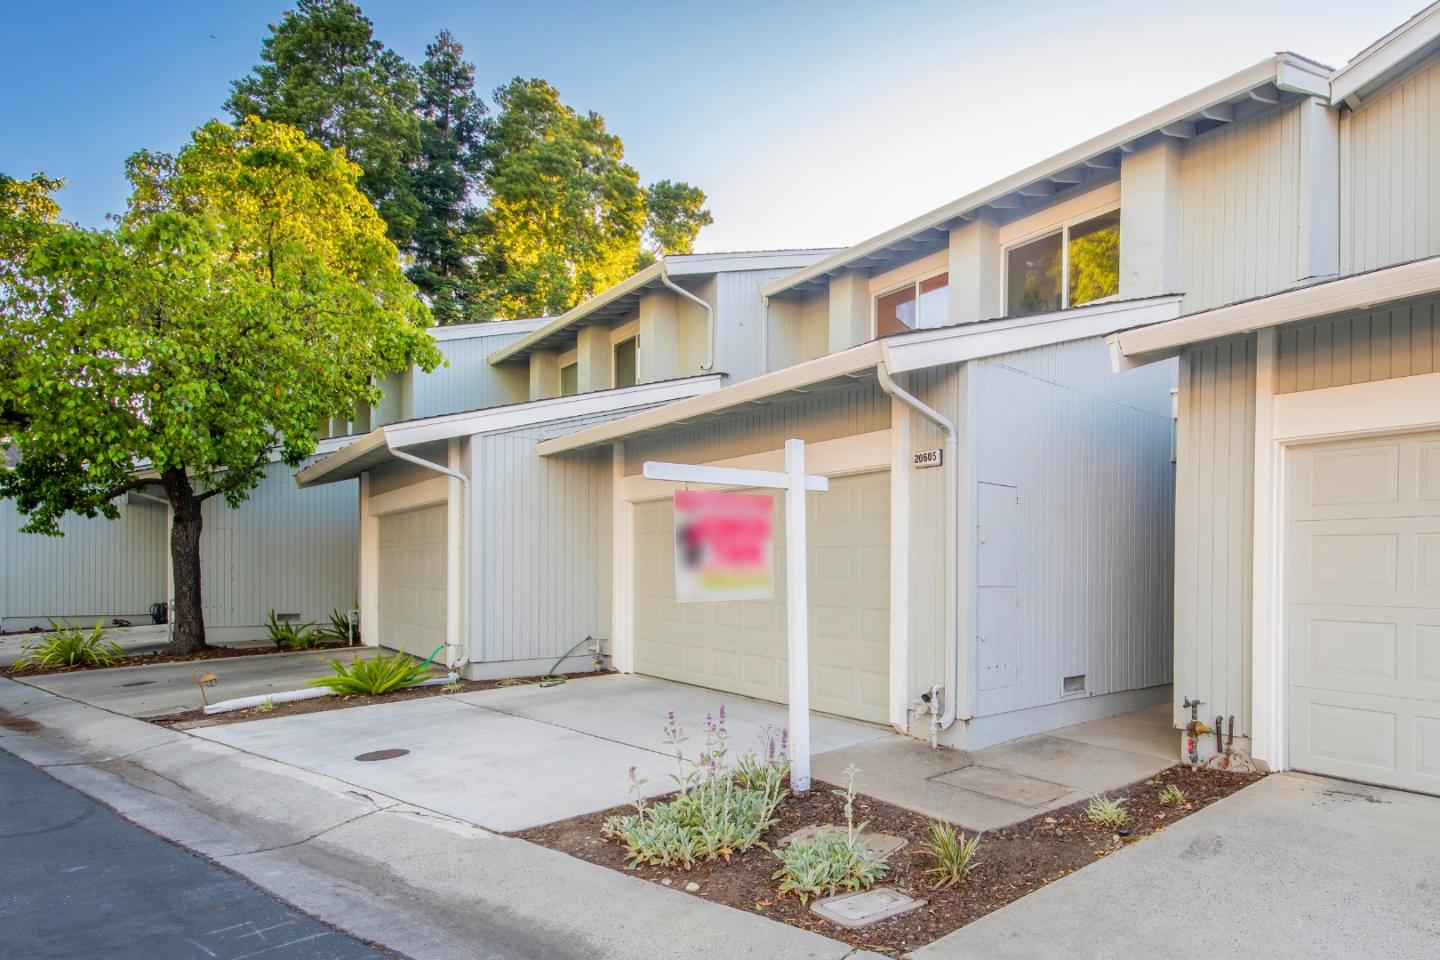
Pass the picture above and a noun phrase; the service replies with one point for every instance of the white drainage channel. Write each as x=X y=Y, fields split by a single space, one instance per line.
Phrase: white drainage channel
x=309 y=693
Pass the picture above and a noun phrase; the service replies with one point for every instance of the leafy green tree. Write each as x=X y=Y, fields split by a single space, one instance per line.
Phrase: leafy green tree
x=248 y=293
x=566 y=215
x=322 y=70
x=447 y=175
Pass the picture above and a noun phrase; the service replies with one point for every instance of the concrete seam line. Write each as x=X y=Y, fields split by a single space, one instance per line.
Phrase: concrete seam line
x=304 y=840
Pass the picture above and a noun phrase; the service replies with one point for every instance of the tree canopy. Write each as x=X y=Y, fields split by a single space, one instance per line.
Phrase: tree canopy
x=248 y=292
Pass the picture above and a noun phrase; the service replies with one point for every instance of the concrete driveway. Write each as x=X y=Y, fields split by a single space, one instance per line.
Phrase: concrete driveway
x=1293 y=866
x=517 y=757
x=166 y=688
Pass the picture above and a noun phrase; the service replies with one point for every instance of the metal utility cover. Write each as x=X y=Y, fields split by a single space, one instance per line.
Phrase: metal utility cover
x=1010 y=787
x=866 y=907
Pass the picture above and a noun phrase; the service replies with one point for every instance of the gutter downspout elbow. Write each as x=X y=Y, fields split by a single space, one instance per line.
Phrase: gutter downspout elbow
x=709 y=363
x=461 y=650
x=952 y=535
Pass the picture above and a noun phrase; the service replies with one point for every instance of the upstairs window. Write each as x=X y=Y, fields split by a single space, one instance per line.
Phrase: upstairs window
x=1077 y=264
x=627 y=353
x=569 y=379
x=920 y=304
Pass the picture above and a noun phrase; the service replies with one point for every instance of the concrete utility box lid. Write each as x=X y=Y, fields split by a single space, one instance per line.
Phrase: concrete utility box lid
x=880 y=844
x=866 y=907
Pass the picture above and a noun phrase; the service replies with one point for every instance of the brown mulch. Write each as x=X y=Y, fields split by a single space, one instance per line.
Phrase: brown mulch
x=1014 y=860
x=192 y=719
x=150 y=659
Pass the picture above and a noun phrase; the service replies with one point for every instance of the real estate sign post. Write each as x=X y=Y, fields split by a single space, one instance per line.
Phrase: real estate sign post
x=725 y=551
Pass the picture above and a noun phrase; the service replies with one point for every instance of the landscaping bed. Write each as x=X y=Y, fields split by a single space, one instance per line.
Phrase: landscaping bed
x=150 y=659
x=1013 y=861
x=191 y=719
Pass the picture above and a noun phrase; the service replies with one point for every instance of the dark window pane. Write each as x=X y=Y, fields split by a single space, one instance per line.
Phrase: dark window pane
x=1033 y=277
x=895 y=312
x=570 y=380
x=1095 y=259
x=625 y=362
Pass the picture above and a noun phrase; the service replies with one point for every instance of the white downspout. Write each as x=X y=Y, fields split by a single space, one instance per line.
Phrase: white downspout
x=952 y=537
x=709 y=315
x=457 y=661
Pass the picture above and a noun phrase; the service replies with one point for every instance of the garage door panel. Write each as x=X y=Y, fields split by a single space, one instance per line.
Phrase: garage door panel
x=1363 y=610
x=412 y=568
x=741 y=646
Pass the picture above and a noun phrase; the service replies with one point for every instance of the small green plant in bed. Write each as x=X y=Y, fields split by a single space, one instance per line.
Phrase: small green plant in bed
x=288 y=636
x=834 y=860
x=1172 y=795
x=383 y=673
x=340 y=630
x=953 y=854
x=1107 y=812
x=70 y=647
x=718 y=811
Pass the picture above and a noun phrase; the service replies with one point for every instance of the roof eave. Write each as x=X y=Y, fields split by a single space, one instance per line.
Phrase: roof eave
x=1387 y=58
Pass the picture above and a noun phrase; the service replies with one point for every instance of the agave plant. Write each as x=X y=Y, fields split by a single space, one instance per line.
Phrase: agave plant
x=68 y=647
x=287 y=636
x=953 y=854
x=1107 y=811
x=383 y=673
x=340 y=630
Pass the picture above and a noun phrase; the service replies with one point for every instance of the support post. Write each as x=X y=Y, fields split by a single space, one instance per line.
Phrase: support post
x=797 y=615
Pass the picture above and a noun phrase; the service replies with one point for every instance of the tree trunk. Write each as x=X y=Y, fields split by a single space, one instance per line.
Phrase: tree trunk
x=189 y=628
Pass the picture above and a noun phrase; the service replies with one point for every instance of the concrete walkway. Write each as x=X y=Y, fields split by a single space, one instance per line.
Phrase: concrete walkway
x=1294 y=866
x=165 y=688
x=422 y=883
x=516 y=757
x=1011 y=782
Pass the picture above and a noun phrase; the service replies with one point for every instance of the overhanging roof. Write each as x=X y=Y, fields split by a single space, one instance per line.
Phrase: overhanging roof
x=620 y=301
x=901 y=353
x=1353 y=293
x=1386 y=58
x=430 y=433
x=1277 y=79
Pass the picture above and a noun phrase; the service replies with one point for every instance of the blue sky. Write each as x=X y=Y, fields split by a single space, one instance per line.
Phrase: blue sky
x=808 y=124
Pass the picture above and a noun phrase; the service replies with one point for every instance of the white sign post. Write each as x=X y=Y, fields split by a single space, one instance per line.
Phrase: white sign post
x=795 y=483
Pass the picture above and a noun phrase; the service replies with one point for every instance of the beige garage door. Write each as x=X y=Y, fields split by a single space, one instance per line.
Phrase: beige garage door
x=740 y=646
x=1363 y=610
x=412 y=580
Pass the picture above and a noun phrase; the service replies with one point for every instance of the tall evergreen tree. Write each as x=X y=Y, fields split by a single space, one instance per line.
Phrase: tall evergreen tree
x=323 y=71
x=447 y=175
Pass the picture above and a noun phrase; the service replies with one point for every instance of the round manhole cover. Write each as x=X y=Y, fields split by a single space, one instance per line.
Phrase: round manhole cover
x=138 y=683
x=390 y=754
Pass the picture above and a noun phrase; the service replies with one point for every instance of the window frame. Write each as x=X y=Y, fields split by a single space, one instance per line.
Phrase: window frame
x=1062 y=227
x=615 y=344
x=561 y=372
x=876 y=295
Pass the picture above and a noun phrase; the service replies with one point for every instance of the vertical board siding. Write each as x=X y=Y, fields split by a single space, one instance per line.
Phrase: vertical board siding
x=1388 y=173
x=1088 y=453
x=1213 y=528
x=98 y=570
x=1240 y=215
x=821 y=416
x=740 y=322
x=1396 y=341
x=540 y=538
x=290 y=550
x=470 y=382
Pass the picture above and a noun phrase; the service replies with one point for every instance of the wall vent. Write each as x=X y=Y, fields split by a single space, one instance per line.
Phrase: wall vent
x=1074 y=685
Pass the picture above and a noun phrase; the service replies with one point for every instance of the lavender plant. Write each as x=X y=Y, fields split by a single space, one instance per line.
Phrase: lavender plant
x=717 y=811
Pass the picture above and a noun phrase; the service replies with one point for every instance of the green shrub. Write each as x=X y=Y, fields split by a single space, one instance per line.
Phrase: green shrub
x=1107 y=812
x=379 y=674
x=953 y=853
x=718 y=811
x=834 y=860
x=70 y=647
x=1172 y=796
x=340 y=630
x=286 y=636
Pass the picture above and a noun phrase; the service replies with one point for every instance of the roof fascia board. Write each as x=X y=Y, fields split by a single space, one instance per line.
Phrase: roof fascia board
x=488 y=328
x=1287 y=71
x=920 y=351
x=1393 y=53
x=706 y=263
x=574 y=315
x=797 y=377
x=317 y=471
x=1344 y=295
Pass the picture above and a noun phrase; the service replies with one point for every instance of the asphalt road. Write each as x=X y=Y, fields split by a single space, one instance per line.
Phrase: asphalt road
x=78 y=881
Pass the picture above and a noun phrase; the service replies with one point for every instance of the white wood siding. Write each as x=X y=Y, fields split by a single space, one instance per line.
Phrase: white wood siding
x=1082 y=565
x=1213 y=529
x=1398 y=341
x=1240 y=218
x=740 y=316
x=1391 y=191
x=100 y=569
x=470 y=382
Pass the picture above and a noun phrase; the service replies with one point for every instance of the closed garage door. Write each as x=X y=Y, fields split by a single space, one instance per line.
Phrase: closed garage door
x=1363 y=610
x=740 y=646
x=412 y=580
